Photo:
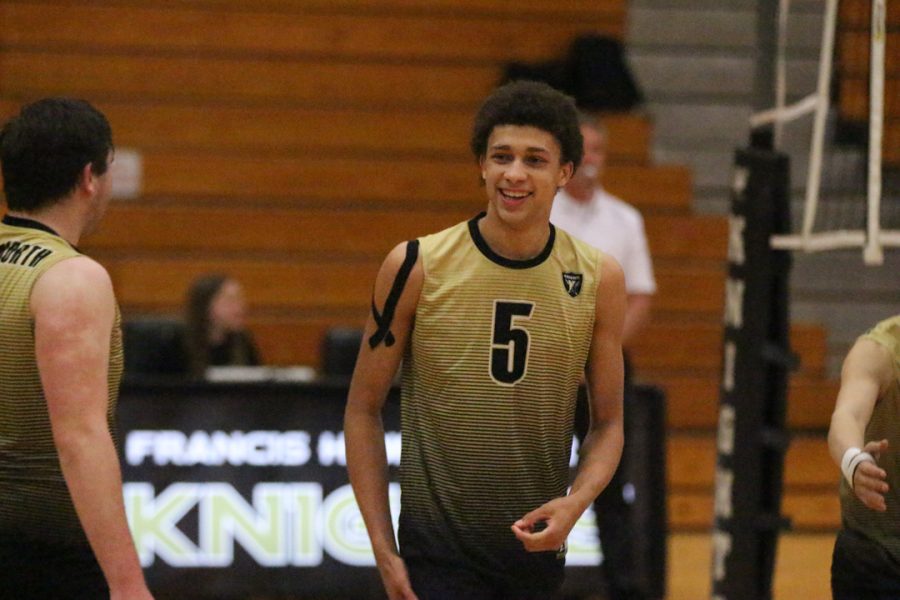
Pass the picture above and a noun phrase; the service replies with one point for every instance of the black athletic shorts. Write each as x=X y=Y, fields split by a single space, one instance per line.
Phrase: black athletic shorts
x=433 y=581
x=861 y=569
x=31 y=570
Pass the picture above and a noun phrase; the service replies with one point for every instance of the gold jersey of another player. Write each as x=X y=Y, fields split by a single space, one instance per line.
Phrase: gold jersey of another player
x=34 y=499
x=883 y=527
x=490 y=378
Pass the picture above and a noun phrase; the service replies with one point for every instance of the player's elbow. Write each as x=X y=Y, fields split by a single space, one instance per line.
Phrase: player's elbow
x=361 y=412
x=611 y=429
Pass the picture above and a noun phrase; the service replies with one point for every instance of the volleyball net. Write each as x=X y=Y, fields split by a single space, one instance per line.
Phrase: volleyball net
x=851 y=197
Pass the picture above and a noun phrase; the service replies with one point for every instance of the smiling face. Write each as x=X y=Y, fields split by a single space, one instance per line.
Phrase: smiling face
x=522 y=173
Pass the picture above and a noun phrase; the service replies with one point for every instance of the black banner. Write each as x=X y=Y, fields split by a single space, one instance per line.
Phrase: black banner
x=236 y=490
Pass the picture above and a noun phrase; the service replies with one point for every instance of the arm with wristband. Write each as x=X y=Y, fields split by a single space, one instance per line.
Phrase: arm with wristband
x=866 y=373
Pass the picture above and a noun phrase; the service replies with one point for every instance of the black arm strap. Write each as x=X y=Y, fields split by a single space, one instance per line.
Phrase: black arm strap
x=384 y=320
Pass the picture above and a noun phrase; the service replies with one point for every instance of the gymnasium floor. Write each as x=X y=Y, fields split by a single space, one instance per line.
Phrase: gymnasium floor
x=801 y=572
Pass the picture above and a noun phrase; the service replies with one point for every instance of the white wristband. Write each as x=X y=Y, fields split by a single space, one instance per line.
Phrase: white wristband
x=850 y=461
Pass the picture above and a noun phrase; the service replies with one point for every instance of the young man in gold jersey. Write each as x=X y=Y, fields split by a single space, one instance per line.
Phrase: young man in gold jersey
x=63 y=531
x=496 y=321
x=863 y=441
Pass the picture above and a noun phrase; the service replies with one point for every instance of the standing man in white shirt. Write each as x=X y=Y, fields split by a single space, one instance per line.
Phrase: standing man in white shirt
x=593 y=215
x=590 y=213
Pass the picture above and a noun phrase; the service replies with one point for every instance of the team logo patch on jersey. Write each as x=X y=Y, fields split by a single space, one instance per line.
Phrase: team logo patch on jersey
x=572 y=283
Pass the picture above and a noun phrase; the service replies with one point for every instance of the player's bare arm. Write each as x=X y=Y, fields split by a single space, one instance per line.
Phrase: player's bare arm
x=865 y=375
x=74 y=311
x=390 y=321
x=603 y=444
x=637 y=315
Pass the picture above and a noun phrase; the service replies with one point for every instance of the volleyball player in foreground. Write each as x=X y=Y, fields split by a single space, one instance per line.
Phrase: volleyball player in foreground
x=63 y=531
x=863 y=441
x=496 y=320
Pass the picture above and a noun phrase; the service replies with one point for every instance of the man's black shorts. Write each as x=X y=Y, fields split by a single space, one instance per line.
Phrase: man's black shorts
x=31 y=570
x=861 y=569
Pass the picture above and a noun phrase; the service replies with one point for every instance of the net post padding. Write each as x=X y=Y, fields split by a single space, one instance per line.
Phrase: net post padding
x=751 y=438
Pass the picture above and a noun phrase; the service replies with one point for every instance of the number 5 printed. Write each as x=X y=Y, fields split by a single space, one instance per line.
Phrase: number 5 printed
x=510 y=342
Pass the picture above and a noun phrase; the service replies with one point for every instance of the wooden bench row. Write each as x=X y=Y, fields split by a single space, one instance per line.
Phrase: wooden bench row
x=853 y=54
x=371 y=181
x=539 y=8
x=293 y=130
x=692 y=462
x=351 y=182
x=292 y=333
x=212 y=150
x=314 y=284
x=811 y=482
x=808 y=511
x=100 y=76
x=854 y=100
x=349 y=233
x=857 y=14
x=853 y=103
x=854 y=48
x=684 y=347
x=692 y=402
x=891 y=146
x=326 y=31
x=545 y=10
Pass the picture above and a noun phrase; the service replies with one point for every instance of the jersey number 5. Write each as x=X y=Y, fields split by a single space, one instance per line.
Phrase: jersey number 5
x=509 y=342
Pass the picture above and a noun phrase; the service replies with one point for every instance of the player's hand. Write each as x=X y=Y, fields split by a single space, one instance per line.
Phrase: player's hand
x=395 y=578
x=559 y=515
x=869 y=480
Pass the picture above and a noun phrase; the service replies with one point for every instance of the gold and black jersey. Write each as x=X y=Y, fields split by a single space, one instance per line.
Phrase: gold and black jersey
x=489 y=383
x=882 y=527
x=34 y=500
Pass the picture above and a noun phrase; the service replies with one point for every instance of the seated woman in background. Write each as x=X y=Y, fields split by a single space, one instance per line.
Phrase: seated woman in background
x=216 y=333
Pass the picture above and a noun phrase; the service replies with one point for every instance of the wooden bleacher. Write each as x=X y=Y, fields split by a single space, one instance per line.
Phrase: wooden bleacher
x=431 y=29
x=693 y=402
x=852 y=71
x=292 y=143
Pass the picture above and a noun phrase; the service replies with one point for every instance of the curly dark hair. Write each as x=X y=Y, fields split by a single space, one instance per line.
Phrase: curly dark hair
x=534 y=104
x=45 y=148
